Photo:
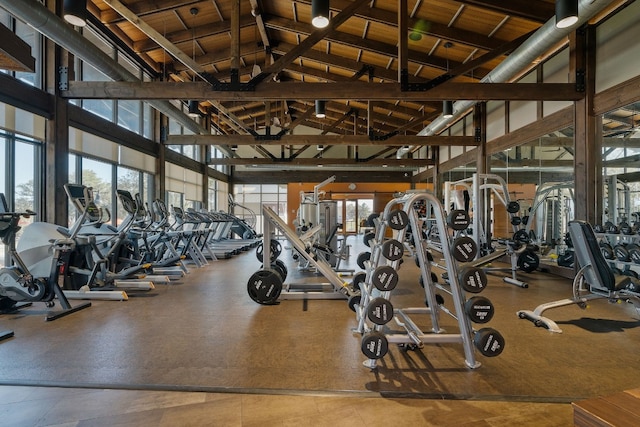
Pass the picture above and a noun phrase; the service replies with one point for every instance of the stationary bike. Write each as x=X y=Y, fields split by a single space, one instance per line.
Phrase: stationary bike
x=23 y=283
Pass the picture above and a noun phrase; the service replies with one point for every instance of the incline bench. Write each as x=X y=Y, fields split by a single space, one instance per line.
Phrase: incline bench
x=594 y=280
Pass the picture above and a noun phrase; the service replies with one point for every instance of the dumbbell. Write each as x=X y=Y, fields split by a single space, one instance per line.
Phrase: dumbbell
x=607 y=250
x=621 y=253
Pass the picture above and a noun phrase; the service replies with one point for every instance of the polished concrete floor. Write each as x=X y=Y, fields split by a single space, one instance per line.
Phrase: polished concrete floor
x=200 y=352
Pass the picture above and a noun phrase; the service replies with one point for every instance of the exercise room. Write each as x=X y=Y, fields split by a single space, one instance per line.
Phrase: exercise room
x=319 y=212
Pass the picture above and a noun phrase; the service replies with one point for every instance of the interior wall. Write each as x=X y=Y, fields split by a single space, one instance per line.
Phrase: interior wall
x=556 y=70
x=618 y=49
x=522 y=113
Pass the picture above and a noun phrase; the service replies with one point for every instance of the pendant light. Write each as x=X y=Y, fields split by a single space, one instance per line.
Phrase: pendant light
x=447 y=109
x=75 y=12
x=320 y=13
x=320 y=110
x=566 y=13
x=447 y=106
x=194 y=106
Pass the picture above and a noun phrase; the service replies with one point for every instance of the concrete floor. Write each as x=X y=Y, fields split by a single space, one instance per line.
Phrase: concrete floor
x=190 y=345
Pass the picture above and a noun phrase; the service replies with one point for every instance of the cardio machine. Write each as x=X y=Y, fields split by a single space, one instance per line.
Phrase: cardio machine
x=43 y=254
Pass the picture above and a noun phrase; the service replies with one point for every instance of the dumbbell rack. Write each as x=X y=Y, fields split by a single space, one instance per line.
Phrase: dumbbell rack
x=266 y=286
x=614 y=239
x=375 y=310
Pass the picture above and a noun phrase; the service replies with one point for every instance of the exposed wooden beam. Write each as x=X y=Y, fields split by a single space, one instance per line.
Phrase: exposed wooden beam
x=398 y=140
x=274 y=176
x=209 y=30
x=533 y=11
x=434 y=29
x=408 y=163
x=313 y=38
x=15 y=54
x=234 y=122
x=388 y=50
x=312 y=91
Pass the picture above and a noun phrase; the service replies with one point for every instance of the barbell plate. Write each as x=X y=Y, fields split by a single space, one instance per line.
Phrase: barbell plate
x=473 y=279
x=374 y=345
x=489 y=342
x=385 y=278
x=513 y=207
x=264 y=286
x=458 y=219
x=528 y=261
x=392 y=250
x=479 y=309
x=398 y=219
x=380 y=311
x=464 y=249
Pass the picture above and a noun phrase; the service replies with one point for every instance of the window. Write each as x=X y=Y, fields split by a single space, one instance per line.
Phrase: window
x=253 y=197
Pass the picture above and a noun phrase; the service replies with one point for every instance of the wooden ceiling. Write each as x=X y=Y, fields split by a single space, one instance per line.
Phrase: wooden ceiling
x=184 y=40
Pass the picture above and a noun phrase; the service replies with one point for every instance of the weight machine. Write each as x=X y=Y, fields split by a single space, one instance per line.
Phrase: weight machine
x=374 y=309
x=488 y=189
x=594 y=280
x=314 y=211
x=267 y=285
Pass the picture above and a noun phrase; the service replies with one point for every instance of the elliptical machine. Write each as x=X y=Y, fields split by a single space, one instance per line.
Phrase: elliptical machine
x=22 y=283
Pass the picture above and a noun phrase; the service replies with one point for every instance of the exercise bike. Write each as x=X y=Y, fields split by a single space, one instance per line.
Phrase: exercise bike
x=34 y=282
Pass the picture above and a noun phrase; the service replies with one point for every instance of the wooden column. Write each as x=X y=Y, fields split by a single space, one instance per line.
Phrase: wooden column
x=588 y=148
x=56 y=152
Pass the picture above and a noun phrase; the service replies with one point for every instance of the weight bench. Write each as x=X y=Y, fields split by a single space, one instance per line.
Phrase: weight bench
x=594 y=280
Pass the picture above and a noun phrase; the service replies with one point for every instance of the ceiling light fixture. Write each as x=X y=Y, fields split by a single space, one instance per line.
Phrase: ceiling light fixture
x=447 y=106
x=566 y=13
x=320 y=13
x=75 y=12
x=194 y=108
x=320 y=109
x=320 y=147
x=447 y=109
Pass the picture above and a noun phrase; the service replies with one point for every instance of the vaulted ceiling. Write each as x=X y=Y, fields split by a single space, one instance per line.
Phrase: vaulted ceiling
x=233 y=42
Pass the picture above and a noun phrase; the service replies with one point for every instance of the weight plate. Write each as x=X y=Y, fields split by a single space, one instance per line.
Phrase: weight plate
x=525 y=220
x=473 y=279
x=374 y=345
x=280 y=268
x=357 y=279
x=385 y=278
x=489 y=342
x=264 y=286
x=380 y=311
x=362 y=258
x=458 y=219
x=392 y=250
x=528 y=261
x=521 y=236
x=368 y=237
x=276 y=250
x=464 y=249
x=516 y=220
x=397 y=219
x=479 y=309
x=513 y=207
